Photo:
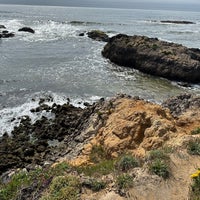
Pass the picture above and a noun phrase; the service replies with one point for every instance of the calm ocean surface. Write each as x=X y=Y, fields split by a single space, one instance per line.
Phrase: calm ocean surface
x=56 y=62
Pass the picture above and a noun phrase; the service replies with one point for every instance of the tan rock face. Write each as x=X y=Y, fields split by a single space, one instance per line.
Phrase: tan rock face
x=135 y=124
x=138 y=126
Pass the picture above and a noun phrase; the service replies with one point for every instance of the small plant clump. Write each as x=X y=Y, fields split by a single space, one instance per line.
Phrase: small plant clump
x=160 y=168
x=37 y=180
x=195 y=187
x=98 y=154
x=195 y=131
x=127 y=162
x=97 y=170
x=124 y=181
x=159 y=163
x=63 y=187
x=194 y=147
x=154 y=47
x=158 y=154
x=94 y=185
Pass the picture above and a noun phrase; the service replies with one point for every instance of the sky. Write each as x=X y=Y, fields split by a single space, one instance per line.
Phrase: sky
x=137 y=4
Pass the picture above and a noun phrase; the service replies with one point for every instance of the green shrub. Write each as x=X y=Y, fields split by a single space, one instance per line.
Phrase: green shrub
x=9 y=191
x=154 y=47
x=158 y=154
x=98 y=154
x=194 y=147
x=124 y=181
x=99 y=169
x=160 y=168
x=94 y=185
x=167 y=53
x=62 y=188
x=195 y=131
x=42 y=178
x=127 y=162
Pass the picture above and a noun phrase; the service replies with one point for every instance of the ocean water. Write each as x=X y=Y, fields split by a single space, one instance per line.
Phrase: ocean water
x=56 y=63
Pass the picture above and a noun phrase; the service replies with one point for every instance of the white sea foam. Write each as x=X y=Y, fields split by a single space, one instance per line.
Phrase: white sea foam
x=44 y=30
x=50 y=30
x=11 y=117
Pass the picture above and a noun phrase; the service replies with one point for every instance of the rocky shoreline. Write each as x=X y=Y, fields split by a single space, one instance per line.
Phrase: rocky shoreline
x=47 y=140
x=118 y=125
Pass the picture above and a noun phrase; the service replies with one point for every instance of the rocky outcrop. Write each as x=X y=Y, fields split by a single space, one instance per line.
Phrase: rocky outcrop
x=27 y=29
x=181 y=103
x=46 y=139
x=98 y=35
x=5 y=33
x=2 y=27
x=121 y=125
x=160 y=58
x=137 y=126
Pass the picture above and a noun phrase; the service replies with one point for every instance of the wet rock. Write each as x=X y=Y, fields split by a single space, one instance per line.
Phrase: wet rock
x=81 y=34
x=27 y=29
x=29 y=143
x=2 y=27
x=98 y=35
x=6 y=34
x=176 y=22
x=149 y=55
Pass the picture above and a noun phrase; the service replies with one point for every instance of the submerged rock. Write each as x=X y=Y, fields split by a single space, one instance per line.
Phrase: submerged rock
x=27 y=29
x=155 y=57
x=98 y=35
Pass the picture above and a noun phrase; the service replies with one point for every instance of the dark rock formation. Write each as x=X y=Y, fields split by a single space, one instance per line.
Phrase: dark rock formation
x=179 y=104
x=27 y=29
x=176 y=22
x=98 y=35
x=149 y=55
x=2 y=27
x=6 y=34
x=46 y=139
x=81 y=34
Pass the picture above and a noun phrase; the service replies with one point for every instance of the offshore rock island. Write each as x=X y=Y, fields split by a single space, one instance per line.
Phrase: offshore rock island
x=155 y=57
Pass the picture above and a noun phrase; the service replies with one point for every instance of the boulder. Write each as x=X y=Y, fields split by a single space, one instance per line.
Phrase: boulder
x=81 y=34
x=2 y=27
x=6 y=34
x=155 y=57
x=27 y=29
x=98 y=35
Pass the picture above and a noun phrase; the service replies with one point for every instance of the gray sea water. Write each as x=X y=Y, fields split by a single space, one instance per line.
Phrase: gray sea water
x=56 y=62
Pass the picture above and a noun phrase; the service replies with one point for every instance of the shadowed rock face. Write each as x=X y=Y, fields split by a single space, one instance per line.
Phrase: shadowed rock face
x=149 y=55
